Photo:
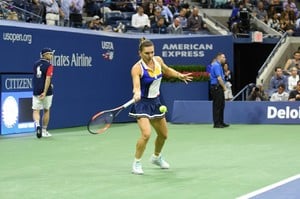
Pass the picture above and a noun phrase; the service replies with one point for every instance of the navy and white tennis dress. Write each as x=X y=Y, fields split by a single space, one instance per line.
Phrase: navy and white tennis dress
x=149 y=104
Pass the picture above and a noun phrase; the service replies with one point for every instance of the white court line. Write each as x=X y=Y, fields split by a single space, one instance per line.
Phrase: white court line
x=269 y=187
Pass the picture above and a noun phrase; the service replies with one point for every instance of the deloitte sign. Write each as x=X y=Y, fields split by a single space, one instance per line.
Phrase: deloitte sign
x=284 y=113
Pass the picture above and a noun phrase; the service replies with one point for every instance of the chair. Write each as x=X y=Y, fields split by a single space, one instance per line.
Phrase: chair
x=110 y=18
x=127 y=15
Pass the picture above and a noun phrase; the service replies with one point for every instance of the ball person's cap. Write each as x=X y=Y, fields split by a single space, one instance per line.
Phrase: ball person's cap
x=47 y=50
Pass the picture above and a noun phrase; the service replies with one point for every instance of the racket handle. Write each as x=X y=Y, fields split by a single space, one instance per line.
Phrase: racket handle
x=128 y=103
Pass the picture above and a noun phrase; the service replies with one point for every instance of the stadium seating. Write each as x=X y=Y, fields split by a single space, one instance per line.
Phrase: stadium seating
x=110 y=18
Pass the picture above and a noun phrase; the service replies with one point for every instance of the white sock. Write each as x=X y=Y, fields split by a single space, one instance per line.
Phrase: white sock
x=137 y=160
x=37 y=123
x=156 y=156
x=44 y=128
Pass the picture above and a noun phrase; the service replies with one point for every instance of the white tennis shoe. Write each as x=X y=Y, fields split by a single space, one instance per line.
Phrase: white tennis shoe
x=46 y=134
x=159 y=161
x=137 y=168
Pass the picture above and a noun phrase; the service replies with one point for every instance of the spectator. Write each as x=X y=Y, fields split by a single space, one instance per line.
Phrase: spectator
x=276 y=5
x=260 y=12
x=38 y=9
x=287 y=24
x=257 y=94
x=298 y=23
x=293 y=62
x=228 y=82
x=266 y=4
x=195 y=22
x=289 y=5
x=175 y=27
x=280 y=95
x=95 y=23
x=160 y=27
x=276 y=80
x=76 y=10
x=234 y=18
x=175 y=7
x=165 y=11
x=182 y=17
x=140 y=20
x=149 y=9
x=65 y=13
x=293 y=79
x=156 y=16
x=274 y=22
x=92 y=7
x=295 y=94
x=52 y=11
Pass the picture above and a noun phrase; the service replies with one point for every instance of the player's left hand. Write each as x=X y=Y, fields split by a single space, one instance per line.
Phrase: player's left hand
x=186 y=77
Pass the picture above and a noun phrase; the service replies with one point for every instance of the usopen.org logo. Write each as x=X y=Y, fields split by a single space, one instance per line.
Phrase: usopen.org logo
x=108 y=48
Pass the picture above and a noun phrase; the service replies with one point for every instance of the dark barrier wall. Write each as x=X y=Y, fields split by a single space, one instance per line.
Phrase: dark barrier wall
x=238 y=112
x=92 y=68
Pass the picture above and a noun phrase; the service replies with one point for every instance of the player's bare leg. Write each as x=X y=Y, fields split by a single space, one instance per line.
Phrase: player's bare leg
x=145 y=128
x=160 y=126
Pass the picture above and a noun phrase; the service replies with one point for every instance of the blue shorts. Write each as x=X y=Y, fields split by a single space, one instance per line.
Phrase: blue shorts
x=147 y=107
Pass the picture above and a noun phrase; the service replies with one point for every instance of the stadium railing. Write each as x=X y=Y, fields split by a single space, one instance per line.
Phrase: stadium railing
x=243 y=93
x=8 y=7
x=266 y=70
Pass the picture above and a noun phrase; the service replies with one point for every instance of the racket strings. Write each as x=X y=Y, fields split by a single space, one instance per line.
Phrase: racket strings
x=100 y=123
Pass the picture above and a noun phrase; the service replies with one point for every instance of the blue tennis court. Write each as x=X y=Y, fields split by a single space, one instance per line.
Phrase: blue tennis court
x=286 y=189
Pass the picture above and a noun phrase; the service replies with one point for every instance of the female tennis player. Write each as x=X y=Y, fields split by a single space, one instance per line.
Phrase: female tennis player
x=146 y=78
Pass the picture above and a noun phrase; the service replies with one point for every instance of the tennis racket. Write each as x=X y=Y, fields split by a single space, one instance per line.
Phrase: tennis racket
x=101 y=121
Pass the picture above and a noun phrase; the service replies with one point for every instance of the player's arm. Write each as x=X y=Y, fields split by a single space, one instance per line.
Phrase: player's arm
x=47 y=82
x=173 y=73
x=135 y=75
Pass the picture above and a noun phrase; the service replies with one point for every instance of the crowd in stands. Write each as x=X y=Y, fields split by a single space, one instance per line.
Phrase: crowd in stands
x=283 y=16
x=157 y=16
x=284 y=84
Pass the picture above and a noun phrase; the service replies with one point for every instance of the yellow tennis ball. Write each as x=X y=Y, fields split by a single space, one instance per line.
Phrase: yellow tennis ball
x=163 y=109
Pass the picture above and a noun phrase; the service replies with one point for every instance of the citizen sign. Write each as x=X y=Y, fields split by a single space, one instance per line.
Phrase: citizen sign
x=18 y=83
x=284 y=113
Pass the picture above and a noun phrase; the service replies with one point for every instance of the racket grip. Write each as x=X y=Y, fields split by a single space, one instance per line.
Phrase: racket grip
x=128 y=103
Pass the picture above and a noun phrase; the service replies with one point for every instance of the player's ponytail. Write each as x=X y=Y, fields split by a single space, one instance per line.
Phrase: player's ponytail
x=145 y=43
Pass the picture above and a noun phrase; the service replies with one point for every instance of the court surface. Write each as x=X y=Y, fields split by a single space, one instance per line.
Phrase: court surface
x=287 y=189
x=206 y=163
